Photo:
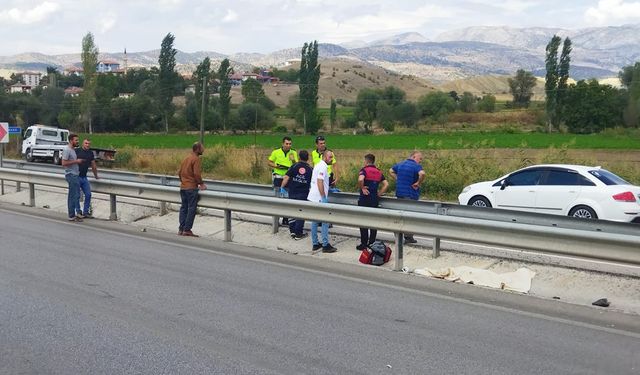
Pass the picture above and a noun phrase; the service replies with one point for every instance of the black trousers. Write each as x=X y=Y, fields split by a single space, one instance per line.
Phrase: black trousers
x=367 y=235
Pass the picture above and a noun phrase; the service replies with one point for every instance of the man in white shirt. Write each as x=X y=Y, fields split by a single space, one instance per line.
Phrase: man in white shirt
x=319 y=192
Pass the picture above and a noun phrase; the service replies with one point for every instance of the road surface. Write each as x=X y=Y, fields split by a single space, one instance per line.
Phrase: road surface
x=102 y=298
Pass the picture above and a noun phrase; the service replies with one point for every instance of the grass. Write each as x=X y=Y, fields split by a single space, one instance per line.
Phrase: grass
x=433 y=141
x=448 y=171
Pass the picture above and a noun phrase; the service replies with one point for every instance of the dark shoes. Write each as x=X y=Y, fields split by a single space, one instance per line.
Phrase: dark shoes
x=298 y=237
x=316 y=247
x=329 y=249
x=361 y=247
x=188 y=233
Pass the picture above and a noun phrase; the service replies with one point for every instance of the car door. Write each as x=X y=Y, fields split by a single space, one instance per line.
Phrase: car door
x=557 y=190
x=518 y=192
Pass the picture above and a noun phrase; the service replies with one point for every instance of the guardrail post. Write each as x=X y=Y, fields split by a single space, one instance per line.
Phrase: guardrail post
x=18 y=186
x=436 y=240
x=113 y=215
x=227 y=225
x=163 y=205
x=1 y=187
x=32 y=195
x=397 y=259
x=276 y=219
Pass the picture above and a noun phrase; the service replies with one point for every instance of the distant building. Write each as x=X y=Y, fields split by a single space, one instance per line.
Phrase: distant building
x=126 y=95
x=72 y=70
x=191 y=89
x=19 y=87
x=108 y=66
x=73 y=91
x=31 y=78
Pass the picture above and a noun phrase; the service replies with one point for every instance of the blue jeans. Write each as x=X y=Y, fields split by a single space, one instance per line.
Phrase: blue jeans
x=85 y=186
x=74 y=193
x=189 y=198
x=314 y=233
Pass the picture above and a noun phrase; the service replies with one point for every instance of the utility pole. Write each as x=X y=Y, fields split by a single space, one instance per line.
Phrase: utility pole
x=202 y=112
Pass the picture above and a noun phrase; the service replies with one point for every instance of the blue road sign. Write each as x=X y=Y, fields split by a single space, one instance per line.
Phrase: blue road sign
x=14 y=130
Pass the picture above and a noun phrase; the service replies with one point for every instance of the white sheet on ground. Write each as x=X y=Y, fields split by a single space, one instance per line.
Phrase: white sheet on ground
x=519 y=281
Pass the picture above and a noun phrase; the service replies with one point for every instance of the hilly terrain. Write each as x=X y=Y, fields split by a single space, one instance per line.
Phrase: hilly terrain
x=598 y=52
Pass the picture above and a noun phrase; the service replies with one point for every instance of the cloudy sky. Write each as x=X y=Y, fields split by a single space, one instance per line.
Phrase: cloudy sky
x=229 y=26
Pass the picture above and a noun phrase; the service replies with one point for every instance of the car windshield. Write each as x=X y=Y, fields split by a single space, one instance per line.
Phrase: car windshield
x=607 y=177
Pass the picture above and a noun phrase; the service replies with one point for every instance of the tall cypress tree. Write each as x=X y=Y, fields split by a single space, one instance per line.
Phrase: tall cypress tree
x=166 y=78
x=551 y=79
x=308 y=85
x=89 y=65
x=225 y=88
x=563 y=77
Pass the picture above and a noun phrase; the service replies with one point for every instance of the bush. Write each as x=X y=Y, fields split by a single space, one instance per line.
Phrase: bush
x=279 y=129
x=487 y=103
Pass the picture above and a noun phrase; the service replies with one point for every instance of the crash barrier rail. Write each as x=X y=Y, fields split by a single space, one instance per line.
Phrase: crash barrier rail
x=432 y=207
x=623 y=248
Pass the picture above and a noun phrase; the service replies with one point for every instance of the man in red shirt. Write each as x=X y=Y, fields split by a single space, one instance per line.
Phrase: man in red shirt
x=190 y=175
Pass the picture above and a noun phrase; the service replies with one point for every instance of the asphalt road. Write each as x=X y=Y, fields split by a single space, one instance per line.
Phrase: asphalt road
x=99 y=298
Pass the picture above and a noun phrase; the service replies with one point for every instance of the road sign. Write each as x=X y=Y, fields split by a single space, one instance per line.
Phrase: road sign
x=4 y=132
x=15 y=130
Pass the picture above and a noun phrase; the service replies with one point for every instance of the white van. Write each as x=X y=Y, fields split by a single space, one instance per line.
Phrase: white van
x=44 y=142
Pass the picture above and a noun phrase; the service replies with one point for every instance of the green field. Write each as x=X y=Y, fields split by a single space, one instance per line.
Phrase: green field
x=435 y=141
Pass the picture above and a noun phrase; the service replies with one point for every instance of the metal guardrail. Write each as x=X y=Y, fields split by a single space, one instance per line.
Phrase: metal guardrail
x=432 y=207
x=615 y=247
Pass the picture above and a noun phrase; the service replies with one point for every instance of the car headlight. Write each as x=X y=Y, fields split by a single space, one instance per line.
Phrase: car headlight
x=466 y=189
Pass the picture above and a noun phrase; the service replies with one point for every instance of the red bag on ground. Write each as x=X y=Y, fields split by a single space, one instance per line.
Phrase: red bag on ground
x=376 y=254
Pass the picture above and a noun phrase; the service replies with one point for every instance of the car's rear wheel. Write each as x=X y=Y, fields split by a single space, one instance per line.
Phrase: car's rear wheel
x=56 y=158
x=479 y=201
x=583 y=212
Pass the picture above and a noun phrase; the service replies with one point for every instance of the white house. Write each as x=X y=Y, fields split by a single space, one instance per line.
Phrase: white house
x=31 y=78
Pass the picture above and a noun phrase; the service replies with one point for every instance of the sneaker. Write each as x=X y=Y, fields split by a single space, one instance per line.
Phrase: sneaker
x=298 y=237
x=316 y=247
x=292 y=235
x=189 y=233
x=72 y=218
x=410 y=240
x=80 y=216
x=88 y=216
x=180 y=232
x=329 y=249
x=361 y=247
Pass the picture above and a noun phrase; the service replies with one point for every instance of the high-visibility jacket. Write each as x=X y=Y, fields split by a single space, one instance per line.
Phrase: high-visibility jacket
x=283 y=161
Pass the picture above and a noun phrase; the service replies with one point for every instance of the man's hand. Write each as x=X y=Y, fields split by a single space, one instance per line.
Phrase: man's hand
x=415 y=186
x=202 y=186
x=325 y=199
x=380 y=194
x=365 y=190
x=283 y=191
x=79 y=161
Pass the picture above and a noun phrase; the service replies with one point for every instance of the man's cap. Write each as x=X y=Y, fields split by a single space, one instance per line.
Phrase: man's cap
x=320 y=138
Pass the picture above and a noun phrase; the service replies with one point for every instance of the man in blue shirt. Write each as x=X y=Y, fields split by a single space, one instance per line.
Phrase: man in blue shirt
x=409 y=176
x=86 y=154
x=298 y=181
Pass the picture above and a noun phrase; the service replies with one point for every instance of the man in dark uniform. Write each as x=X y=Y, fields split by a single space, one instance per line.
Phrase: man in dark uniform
x=86 y=154
x=298 y=181
x=369 y=180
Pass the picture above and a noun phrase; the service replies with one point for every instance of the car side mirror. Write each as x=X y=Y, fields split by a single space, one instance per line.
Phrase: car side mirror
x=503 y=184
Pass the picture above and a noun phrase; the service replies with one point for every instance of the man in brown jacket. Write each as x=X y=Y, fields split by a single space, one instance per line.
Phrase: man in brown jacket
x=190 y=182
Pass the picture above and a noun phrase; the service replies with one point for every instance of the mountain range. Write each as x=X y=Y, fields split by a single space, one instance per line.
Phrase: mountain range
x=598 y=52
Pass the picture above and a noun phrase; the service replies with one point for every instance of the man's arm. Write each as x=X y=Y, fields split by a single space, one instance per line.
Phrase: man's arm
x=362 y=186
x=421 y=177
x=320 y=183
x=94 y=169
x=393 y=174
x=285 y=181
x=383 y=188
x=66 y=163
x=197 y=174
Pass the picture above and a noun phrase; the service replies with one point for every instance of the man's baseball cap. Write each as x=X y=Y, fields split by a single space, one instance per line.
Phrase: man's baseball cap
x=319 y=138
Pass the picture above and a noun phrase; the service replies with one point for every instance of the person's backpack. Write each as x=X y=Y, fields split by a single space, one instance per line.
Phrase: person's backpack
x=376 y=254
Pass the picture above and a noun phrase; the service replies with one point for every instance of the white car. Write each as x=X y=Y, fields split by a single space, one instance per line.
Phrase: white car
x=573 y=190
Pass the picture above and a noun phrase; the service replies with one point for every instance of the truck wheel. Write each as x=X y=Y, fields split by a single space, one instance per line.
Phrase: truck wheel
x=56 y=158
x=28 y=156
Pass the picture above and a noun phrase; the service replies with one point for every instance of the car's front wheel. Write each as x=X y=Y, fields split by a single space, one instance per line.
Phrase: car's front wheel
x=583 y=212
x=28 y=156
x=56 y=158
x=479 y=201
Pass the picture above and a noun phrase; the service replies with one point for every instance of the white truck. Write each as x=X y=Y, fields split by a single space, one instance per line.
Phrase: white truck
x=42 y=142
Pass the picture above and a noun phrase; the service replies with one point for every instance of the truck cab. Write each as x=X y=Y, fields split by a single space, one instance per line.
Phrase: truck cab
x=44 y=142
